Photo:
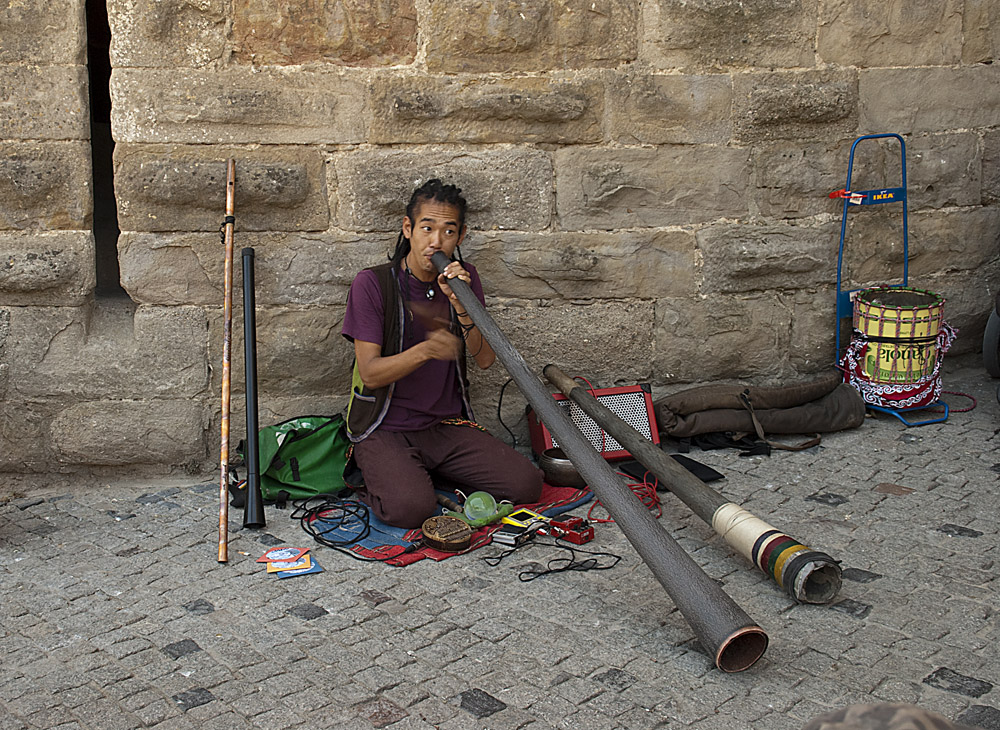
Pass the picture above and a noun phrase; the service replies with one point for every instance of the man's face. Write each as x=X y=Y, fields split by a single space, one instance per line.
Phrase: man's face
x=435 y=228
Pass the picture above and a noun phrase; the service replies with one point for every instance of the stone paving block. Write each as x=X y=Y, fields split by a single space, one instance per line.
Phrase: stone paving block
x=393 y=658
x=950 y=680
x=376 y=678
x=685 y=710
x=45 y=718
x=33 y=700
x=226 y=720
x=982 y=716
x=577 y=690
x=307 y=703
x=897 y=691
x=551 y=706
x=474 y=667
x=179 y=723
x=641 y=717
x=105 y=714
x=609 y=705
x=278 y=719
x=491 y=629
x=205 y=711
x=438 y=654
x=780 y=722
x=406 y=694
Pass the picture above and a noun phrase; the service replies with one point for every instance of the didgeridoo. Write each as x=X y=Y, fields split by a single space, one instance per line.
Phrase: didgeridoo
x=729 y=635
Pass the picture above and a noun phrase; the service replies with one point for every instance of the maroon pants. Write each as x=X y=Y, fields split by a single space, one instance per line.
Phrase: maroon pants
x=398 y=468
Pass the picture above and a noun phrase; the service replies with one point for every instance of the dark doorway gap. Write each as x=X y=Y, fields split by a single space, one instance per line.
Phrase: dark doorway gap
x=102 y=147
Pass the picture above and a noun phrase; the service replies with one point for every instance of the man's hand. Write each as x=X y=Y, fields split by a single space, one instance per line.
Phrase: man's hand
x=453 y=270
x=442 y=345
x=377 y=371
x=480 y=349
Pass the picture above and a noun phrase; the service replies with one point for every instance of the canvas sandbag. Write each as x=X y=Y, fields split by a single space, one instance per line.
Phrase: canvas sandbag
x=839 y=409
x=708 y=397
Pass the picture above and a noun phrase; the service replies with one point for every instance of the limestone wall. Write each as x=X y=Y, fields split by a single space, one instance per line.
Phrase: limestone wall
x=647 y=180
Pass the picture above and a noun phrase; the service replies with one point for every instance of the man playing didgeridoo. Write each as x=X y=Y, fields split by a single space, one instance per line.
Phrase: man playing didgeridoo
x=409 y=416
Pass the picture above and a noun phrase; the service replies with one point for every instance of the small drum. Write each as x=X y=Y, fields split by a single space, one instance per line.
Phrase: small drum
x=894 y=359
x=447 y=534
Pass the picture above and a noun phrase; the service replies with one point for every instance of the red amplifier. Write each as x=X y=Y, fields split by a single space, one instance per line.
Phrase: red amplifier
x=633 y=404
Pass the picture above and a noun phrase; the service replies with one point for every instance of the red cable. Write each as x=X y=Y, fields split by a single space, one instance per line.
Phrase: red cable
x=644 y=492
x=964 y=395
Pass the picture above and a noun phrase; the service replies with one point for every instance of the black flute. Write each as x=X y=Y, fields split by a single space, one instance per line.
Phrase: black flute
x=253 y=507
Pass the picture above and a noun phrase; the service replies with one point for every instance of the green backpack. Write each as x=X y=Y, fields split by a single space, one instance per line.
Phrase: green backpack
x=302 y=457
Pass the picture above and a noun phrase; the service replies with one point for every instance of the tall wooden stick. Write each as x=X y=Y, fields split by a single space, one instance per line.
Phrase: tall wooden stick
x=227 y=345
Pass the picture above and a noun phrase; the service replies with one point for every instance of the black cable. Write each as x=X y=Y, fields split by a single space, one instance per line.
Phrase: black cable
x=503 y=387
x=337 y=513
x=570 y=561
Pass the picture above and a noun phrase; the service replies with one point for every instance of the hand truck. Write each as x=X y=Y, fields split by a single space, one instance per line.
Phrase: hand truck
x=845 y=299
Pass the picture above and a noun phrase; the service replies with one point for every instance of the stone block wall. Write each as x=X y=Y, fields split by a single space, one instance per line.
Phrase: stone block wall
x=647 y=183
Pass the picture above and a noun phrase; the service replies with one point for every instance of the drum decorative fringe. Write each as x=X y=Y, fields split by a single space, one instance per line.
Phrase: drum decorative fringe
x=900 y=337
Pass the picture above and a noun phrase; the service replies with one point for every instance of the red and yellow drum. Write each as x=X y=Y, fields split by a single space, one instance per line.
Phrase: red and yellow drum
x=894 y=358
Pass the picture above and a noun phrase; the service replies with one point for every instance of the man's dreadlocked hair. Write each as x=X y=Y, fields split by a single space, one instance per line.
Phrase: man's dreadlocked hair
x=431 y=190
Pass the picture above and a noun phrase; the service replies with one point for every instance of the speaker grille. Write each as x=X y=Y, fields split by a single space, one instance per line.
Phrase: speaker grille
x=630 y=407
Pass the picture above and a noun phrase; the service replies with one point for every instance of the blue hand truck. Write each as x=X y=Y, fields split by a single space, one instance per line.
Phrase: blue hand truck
x=845 y=299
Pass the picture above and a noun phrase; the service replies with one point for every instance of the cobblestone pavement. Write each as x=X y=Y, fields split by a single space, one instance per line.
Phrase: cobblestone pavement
x=116 y=614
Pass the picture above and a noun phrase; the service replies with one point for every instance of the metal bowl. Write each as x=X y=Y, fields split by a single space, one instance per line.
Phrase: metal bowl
x=559 y=471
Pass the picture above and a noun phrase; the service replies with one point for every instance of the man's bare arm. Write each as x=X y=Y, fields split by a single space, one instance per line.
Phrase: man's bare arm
x=377 y=371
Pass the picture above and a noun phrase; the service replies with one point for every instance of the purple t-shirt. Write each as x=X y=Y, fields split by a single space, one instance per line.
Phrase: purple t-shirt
x=430 y=393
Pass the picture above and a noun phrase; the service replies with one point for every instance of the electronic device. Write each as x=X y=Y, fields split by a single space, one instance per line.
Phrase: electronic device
x=571 y=529
x=702 y=471
x=633 y=404
x=512 y=535
x=523 y=517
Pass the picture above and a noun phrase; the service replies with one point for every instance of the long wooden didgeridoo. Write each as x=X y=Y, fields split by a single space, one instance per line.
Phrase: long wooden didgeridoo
x=729 y=635
x=807 y=575
x=227 y=346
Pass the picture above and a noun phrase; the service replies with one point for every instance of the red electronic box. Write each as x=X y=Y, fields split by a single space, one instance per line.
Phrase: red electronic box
x=633 y=404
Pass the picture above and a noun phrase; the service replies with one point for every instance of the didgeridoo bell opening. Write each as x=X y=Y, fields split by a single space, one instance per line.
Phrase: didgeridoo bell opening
x=741 y=650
